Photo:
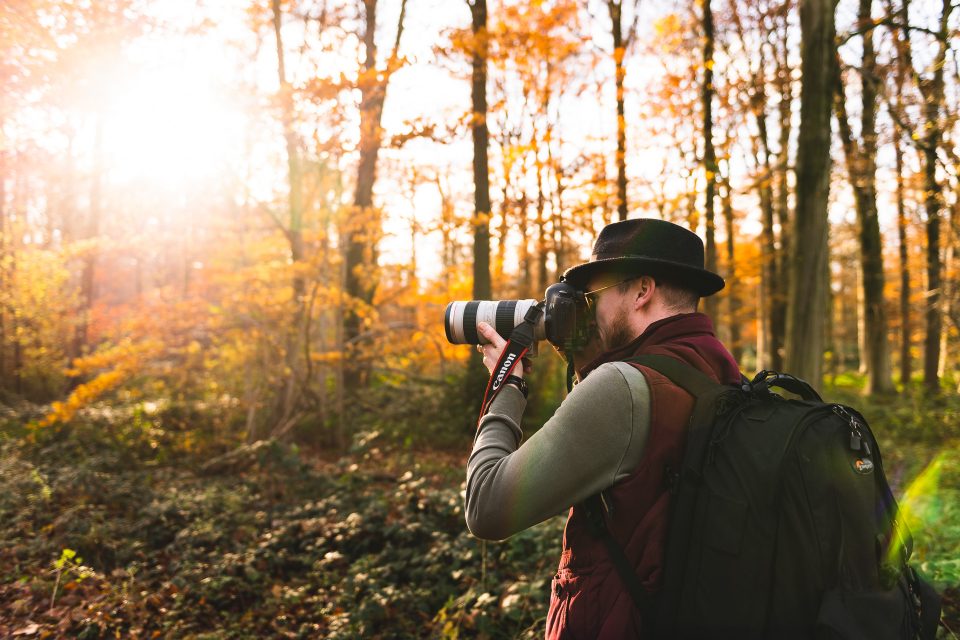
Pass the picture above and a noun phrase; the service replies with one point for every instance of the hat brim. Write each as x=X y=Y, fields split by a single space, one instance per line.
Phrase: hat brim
x=705 y=283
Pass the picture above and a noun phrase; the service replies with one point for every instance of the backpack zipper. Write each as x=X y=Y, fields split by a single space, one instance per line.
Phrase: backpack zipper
x=857 y=441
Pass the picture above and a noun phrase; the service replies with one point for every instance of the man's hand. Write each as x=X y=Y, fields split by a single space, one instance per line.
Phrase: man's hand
x=494 y=349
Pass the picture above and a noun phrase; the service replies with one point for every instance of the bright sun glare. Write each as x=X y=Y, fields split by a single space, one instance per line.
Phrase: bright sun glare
x=167 y=125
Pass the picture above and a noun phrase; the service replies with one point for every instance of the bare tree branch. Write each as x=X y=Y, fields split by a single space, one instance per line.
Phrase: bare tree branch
x=262 y=207
x=889 y=21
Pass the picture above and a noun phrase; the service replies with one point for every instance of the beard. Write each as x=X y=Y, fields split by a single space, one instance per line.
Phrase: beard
x=619 y=334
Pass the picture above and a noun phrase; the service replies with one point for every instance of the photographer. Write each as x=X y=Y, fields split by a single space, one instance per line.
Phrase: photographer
x=619 y=433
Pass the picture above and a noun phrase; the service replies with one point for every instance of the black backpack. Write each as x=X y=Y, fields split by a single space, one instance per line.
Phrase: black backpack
x=782 y=525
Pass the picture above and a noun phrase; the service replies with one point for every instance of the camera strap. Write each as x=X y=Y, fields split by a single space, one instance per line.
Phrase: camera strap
x=518 y=344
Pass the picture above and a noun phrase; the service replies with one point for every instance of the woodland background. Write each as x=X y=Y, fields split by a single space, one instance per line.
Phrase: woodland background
x=228 y=232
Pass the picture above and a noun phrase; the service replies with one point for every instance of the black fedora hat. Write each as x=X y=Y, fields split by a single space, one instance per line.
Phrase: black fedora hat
x=647 y=246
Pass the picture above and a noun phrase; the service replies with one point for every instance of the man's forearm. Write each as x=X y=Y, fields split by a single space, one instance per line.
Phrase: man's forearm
x=498 y=436
x=595 y=438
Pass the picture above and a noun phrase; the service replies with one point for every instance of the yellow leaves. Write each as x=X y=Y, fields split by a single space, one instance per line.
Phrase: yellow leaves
x=80 y=249
x=120 y=356
x=669 y=32
x=116 y=365
x=667 y=26
x=82 y=396
x=39 y=302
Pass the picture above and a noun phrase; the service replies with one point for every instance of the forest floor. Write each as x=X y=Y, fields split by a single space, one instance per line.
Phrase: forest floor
x=100 y=540
x=93 y=545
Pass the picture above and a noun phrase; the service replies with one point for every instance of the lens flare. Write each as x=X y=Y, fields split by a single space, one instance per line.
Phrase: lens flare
x=921 y=504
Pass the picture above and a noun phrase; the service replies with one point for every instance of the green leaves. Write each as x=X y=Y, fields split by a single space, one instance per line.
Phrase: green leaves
x=66 y=556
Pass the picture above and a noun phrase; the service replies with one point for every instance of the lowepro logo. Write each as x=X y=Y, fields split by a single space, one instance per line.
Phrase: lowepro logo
x=503 y=370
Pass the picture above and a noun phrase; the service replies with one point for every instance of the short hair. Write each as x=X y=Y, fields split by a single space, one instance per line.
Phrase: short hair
x=676 y=297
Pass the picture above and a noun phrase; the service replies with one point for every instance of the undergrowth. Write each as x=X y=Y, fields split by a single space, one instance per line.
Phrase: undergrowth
x=354 y=549
x=134 y=525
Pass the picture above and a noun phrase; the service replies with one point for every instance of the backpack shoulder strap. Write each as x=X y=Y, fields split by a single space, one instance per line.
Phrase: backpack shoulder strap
x=699 y=385
x=705 y=391
x=645 y=603
x=685 y=376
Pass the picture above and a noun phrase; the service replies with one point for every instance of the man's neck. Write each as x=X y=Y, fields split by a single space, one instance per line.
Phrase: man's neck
x=654 y=330
x=641 y=321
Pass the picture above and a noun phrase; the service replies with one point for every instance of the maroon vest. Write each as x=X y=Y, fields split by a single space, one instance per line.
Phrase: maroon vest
x=588 y=599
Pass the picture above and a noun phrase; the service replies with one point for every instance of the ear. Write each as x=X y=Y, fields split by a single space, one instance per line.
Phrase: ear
x=643 y=291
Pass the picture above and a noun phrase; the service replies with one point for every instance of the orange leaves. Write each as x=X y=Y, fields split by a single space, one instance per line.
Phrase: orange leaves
x=327 y=357
x=115 y=366
x=463 y=40
x=113 y=358
x=526 y=34
x=82 y=396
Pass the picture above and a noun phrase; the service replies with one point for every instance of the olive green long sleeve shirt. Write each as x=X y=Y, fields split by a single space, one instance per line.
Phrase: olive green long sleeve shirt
x=595 y=438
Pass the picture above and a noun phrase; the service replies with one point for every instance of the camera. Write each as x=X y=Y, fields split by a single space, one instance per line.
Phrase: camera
x=565 y=321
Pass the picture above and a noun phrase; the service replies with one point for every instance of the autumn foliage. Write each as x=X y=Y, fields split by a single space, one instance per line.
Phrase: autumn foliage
x=228 y=235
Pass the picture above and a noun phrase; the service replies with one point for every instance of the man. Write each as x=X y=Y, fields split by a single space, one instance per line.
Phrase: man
x=621 y=431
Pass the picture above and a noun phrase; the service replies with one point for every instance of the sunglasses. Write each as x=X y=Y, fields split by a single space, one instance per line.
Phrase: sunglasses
x=591 y=296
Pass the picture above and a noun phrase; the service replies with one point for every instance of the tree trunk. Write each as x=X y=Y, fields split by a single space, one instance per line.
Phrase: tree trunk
x=525 y=267
x=871 y=243
x=447 y=222
x=947 y=296
x=482 y=289
x=931 y=346
x=767 y=344
x=862 y=169
x=767 y=347
x=905 y=325
x=5 y=289
x=294 y=230
x=87 y=277
x=709 y=152
x=363 y=230
x=10 y=273
x=69 y=221
x=932 y=89
x=615 y=8
x=556 y=213
x=733 y=303
x=809 y=251
x=833 y=342
x=781 y=293
x=541 y=279
x=412 y=274
x=861 y=322
x=903 y=62
x=294 y=173
x=360 y=256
